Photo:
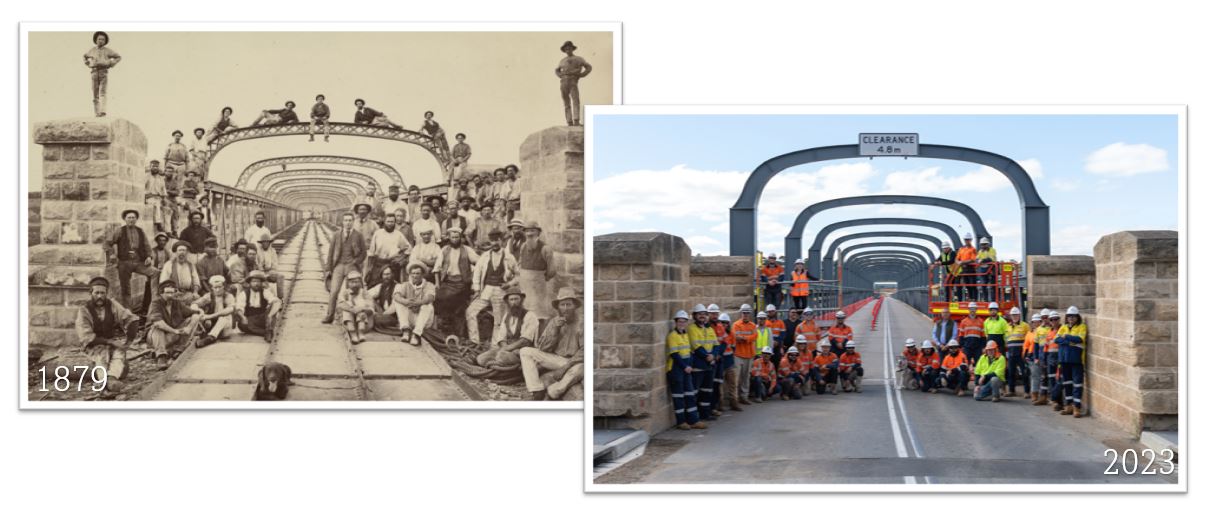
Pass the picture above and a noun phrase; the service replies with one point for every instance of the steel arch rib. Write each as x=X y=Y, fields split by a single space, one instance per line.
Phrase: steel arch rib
x=336 y=129
x=245 y=177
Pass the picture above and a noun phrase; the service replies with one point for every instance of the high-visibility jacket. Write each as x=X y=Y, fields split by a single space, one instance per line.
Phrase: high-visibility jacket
x=1015 y=334
x=810 y=329
x=762 y=368
x=724 y=338
x=1041 y=339
x=679 y=352
x=744 y=333
x=986 y=365
x=702 y=341
x=792 y=367
x=839 y=335
x=912 y=356
x=1071 y=341
x=995 y=326
x=970 y=328
x=954 y=360
x=849 y=360
x=967 y=253
x=800 y=287
x=987 y=254
x=928 y=360
x=823 y=360
x=1030 y=342
x=763 y=338
x=777 y=326
x=772 y=272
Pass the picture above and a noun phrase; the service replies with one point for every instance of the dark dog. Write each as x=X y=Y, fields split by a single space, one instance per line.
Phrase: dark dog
x=274 y=381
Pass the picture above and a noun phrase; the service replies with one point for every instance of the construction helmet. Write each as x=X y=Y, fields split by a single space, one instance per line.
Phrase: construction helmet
x=944 y=245
x=767 y=350
x=713 y=308
x=1014 y=311
x=984 y=240
x=1036 y=317
x=770 y=308
x=793 y=350
x=991 y=345
x=850 y=344
x=772 y=256
x=761 y=315
x=745 y=308
x=724 y=318
x=1072 y=311
x=699 y=308
x=824 y=344
x=969 y=236
x=800 y=339
x=807 y=311
x=993 y=306
x=840 y=314
x=952 y=342
x=972 y=306
x=681 y=315
x=910 y=342
x=799 y=261
x=927 y=343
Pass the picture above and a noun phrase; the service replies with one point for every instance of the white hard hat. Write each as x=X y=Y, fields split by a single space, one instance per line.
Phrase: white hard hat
x=1053 y=314
x=927 y=343
x=699 y=308
x=972 y=306
x=807 y=310
x=969 y=236
x=910 y=342
x=1036 y=317
x=792 y=350
x=824 y=343
x=946 y=245
x=841 y=314
x=767 y=350
x=681 y=315
x=770 y=308
x=800 y=339
x=724 y=317
x=993 y=306
x=761 y=314
x=850 y=344
x=1014 y=311
x=1072 y=311
x=952 y=342
x=799 y=261
x=984 y=240
x=745 y=308
x=713 y=308
x=1044 y=312
x=772 y=256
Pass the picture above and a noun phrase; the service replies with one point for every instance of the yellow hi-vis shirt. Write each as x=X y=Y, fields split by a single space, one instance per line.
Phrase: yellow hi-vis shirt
x=677 y=345
x=1016 y=333
x=699 y=337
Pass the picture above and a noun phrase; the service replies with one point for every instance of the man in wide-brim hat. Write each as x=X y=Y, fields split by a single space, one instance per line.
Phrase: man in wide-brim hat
x=514 y=331
x=130 y=252
x=535 y=264
x=559 y=351
x=570 y=69
x=256 y=307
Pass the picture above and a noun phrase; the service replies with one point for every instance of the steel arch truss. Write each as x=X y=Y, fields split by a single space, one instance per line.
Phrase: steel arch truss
x=245 y=177
x=336 y=129
x=813 y=254
x=829 y=256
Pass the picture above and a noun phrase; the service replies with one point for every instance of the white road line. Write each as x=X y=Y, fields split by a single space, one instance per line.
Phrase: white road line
x=899 y=445
x=902 y=407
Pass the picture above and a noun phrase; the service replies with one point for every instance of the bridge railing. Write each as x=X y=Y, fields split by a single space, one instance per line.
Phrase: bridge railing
x=232 y=210
x=826 y=296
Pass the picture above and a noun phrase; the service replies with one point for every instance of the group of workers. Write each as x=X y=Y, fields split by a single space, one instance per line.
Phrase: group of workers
x=969 y=273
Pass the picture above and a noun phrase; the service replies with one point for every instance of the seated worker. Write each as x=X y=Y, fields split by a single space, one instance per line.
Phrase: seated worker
x=762 y=386
x=386 y=320
x=803 y=344
x=413 y=300
x=908 y=367
x=928 y=368
x=955 y=368
x=217 y=308
x=792 y=374
x=356 y=309
x=851 y=369
x=99 y=325
x=989 y=373
x=266 y=261
x=256 y=308
x=827 y=366
x=559 y=351
x=840 y=333
x=172 y=323
x=516 y=330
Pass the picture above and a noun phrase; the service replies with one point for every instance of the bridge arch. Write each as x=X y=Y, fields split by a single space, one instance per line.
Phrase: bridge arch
x=277 y=186
x=829 y=256
x=357 y=178
x=855 y=248
x=424 y=141
x=816 y=246
x=391 y=174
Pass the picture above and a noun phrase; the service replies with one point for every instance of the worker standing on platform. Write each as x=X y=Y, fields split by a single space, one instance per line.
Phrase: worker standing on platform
x=1032 y=355
x=955 y=368
x=840 y=333
x=808 y=328
x=1017 y=331
x=967 y=257
x=851 y=369
x=745 y=333
x=987 y=270
x=971 y=334
x=680 y=375
x=929 y=368
x=826 y=365
x=771 y=276
x=948 y=269
x=995 y=327
x=1072 y=340
x=989 y=373
x=799 y=288
x=703 y=340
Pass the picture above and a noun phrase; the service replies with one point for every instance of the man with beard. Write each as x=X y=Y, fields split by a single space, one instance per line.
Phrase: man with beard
x=382 y=294
x=394 y=205
x=454 y=276
x=211 y=265
x=459 y=219
x=356 y=309
x=346 y=253
x=514 y=195
x=176 y=155
x=413 y=303
x=494 y=273
x=363 y=223
x=463 y=191
x=487 y=224
x=172 y=214
x=130 y=252
x=257 y=230
x=195 y=236
x=237 y=263
x=559 y=349
x=388 y=248
x=425 y=221
x=414 y=203
x=186 y=283
x=467 y=212
x=515 y=238
x=100 y=323
x=160 y=253
x=251 y=262
x=172 y=323
x=427 y=253
x=514 y=331
x=266 y=261
x=217 y=309
x=536 y=263
x=256 y=308
x=153 y=194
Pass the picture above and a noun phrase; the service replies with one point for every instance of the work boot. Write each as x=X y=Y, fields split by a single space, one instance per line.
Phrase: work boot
x=113 y=385
x=1069 y=409
x=832 y=388
x=961 y=392
x=683 y=427
x=699 y=425
x=537 y=395
x=1033 y=395
x=161 y=363
x=734 y=406
x=205 y=341
x=1042 y=399
x=745 y=401
x=995 y=399
x=1058 y=406
x=716 y=412
x=856 y=384
x=1078 y=412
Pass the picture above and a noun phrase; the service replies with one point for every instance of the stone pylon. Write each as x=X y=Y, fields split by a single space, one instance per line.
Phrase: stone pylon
x=552 y=193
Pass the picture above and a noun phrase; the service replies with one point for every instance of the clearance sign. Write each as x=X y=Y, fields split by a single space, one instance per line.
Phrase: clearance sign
x=889 y=144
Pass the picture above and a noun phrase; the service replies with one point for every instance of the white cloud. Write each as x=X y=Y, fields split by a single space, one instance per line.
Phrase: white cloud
x=1065 y=185
x=1077 y=239
x=723 y=228
x=1122 y=159
x=704 y=245
x=930 y=180
x=602 y=227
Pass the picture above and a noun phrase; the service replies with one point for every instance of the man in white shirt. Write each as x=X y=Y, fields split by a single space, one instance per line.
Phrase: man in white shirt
x=426 y=252
x=425 y=221
x=256 y=308
x=413 y=300
x=216 y=309
x=266 y=261
x=387 y=247
x=394 y=205
x=469 y=214
x=256 y=231
x=494 y=272
x=516 y=330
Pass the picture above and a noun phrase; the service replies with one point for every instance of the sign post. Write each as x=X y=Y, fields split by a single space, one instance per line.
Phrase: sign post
x=889 y=144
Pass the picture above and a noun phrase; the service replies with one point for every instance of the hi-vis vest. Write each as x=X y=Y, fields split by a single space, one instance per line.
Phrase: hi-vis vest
x=1070 y=351
x=800 y=287
x=1016 y=333
x=763 y=338
x=677 y=347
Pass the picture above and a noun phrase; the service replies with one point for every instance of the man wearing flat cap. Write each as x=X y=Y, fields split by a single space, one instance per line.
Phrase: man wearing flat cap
x=100 y=325
x=559 y=351
x=493 y=273
x=130 y=252
x=183 y=274
x=536 y=264
x=570 y=69
x=100 y=59
x=413 y=301
x=172 y=323
x=426 y=252
x=393 y=204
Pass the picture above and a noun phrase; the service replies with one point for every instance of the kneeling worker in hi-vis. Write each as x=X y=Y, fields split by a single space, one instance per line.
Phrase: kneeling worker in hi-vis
x=792 y=375
x=827 y=365
x=928 y=366
x=851 y=369
x=990 y=372
x=680 y=375
x=559 y=351
x=762 y=386
x=908 y=363
x=955 y=369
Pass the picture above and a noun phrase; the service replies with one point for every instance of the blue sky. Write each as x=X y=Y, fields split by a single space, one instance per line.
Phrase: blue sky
x=681 y=174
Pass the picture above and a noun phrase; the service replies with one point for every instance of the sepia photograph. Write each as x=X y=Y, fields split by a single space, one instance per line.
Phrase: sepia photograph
x=887 y=298
x=357 y=216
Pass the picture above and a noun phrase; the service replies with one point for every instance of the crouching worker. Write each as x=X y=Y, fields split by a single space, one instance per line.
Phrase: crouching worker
x=908 y=367
x=826 y=365
x=356 y=308
x=256 y=308
x=851 y=369
x=99 y=325
x=990 y=372
x=217 y=309
x=413 y=303
x=955 y=368
x=172 y=323
x=516 y=330
x=792 y=375
x=680 y=375
x=928 y=368
x=762 y=386
x=559 y=351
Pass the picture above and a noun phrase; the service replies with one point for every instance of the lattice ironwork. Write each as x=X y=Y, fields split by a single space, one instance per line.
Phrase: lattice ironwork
x=276 y=188
x=277 y=178
x=336 y=129
x=301 y=193
x=245 y=177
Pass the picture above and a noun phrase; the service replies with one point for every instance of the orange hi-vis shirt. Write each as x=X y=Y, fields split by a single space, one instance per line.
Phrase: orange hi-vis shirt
x=912 y=356
x=970 y=327
x=777 y=326
x=744 y=333
x=967 y=253
x=810 y=329
x=953 y=361
x=823 y=359
x=842 y=333
x=762 y=368
x=849 y=360
x=1030 y=340
x=774 y=272
x=724 y=338
x=800 y=287
x=800 y=366
x=928 y=360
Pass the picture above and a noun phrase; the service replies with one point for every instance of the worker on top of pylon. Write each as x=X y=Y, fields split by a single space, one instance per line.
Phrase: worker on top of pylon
x=704 y=341
x=929 y=368
x=945 y=328
x=989 y=373
x=955 y=368
x=1072 y=341
x=724 y=358
x=986 y=269
x=745 y=335
x=680 y=374
x=948 y=268
x=1017 y=370
x=1054 y=322
x=994 y=326
x=762 y=378
x=777 y=327
x=771 y=276
x=971 y=334
x=1031 y=353
x=967 y=258
x=792 y=374
x=799 y=288
x=826 y=365
x=840 y=333
x=808 y=328
x=851 y=370
x=908 y=366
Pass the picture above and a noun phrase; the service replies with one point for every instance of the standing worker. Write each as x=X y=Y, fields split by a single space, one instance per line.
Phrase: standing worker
x=1051 y=360
x=995 y=326
x=966 y=280
x=987 y=270
x=799 y=288
x=1032 y=354
x=703 y=341
x=744 y=333
x=971 y=334
x=725 y=358
x=770 y=277
x=680 y=375
x=945 y=329
x=100 y=59
x=948 y=269
x=1017 y=332
x=764 y=337
x=1072 y=340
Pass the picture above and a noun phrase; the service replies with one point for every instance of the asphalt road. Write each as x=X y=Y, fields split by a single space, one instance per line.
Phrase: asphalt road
x=886 y=436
